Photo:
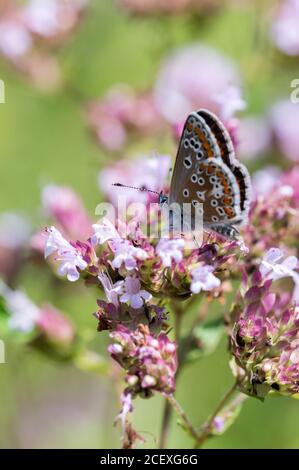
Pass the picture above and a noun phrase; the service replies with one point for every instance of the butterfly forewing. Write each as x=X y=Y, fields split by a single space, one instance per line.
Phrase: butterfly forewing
x=197 y=144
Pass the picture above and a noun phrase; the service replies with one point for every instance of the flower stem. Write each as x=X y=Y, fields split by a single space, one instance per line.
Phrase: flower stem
x=208 y=425
x=178 y=312
x=165 y=425
x=181 y=413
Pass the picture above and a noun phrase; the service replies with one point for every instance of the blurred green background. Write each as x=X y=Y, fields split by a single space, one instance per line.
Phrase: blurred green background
x=44 y=139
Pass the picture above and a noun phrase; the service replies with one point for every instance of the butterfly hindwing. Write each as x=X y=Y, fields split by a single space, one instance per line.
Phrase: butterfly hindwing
x=212 y=190
x=229 y=158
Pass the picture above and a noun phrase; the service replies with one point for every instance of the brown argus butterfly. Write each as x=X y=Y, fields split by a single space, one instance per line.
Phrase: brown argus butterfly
x=208 y=177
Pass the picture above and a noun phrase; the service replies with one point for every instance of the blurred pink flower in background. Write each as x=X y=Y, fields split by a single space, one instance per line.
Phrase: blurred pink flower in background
x=25 y=317
x=285 y=28
x=15 y=39
x=143 y=171
x=284 y=117
x=264 y=181
x=291 y=178
x=195 y=77
x=254 y=136
x=23 y=26
x=66 y=209
x=15 y=233
x=152 y=7
x=120 y=112
x=50 y=18
x=54 y=325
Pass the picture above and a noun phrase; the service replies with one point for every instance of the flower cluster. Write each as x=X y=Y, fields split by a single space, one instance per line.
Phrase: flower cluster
x=285 y=33
x=150 y=361
x=264 y=337
x=273 y=217
x=27 y=31
x=46 y=327
x=121 y=114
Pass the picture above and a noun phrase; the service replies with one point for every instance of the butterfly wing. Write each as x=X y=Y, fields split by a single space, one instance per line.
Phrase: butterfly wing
x=208 y=176
x=229 y=158
x=197 y=144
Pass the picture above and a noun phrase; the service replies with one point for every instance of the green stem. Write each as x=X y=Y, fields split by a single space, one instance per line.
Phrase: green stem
x=181 y=413
x=208 y=425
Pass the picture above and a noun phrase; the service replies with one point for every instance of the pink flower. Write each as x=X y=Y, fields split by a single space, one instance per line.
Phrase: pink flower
x=230 y=101
x=50 y=18
x=70 y=258
x=127 y=254
x=66 y=209
x=103 y=232
x=54 y=325
x=264 y=338
x=170 y=250
x=133 y=294
x=264 y=181
x=285 y=29
x=150 y=361
x=284 y=120
x=120 y=113
x=191 y=78
x=254 y=136
x=15 y=40
x=23 y=312
x=203 y=279
x=143 y=171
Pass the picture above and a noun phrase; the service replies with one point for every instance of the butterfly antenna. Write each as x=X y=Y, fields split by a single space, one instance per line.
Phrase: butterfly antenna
x=143 y=188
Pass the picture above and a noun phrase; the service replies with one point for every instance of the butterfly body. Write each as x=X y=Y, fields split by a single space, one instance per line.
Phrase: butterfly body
x=208 y=176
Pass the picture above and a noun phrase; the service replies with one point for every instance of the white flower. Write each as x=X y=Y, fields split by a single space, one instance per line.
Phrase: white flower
x=203 y=279
x=133 y=295
x=230 y=101
x=112 y=291
x=169 y=250
x=126 y=253
x=24 y=313
x=15 y=40
x=103 y=232
x=66 y=253
x=275 y=265
x=42 y=17
x=14 y=230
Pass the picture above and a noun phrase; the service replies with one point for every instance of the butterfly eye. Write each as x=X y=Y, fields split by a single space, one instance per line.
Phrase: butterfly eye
x=215 y=218
x=185 y=193
x=214 y=203
x=213 y=179
x=195 y=203
x=186 y=143
x=192 y=142
x=188 y=162
x=194 y=178
x=218 y=195
x=201 y=181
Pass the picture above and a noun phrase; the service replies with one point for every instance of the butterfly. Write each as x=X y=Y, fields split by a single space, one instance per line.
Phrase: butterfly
x=208 y=176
